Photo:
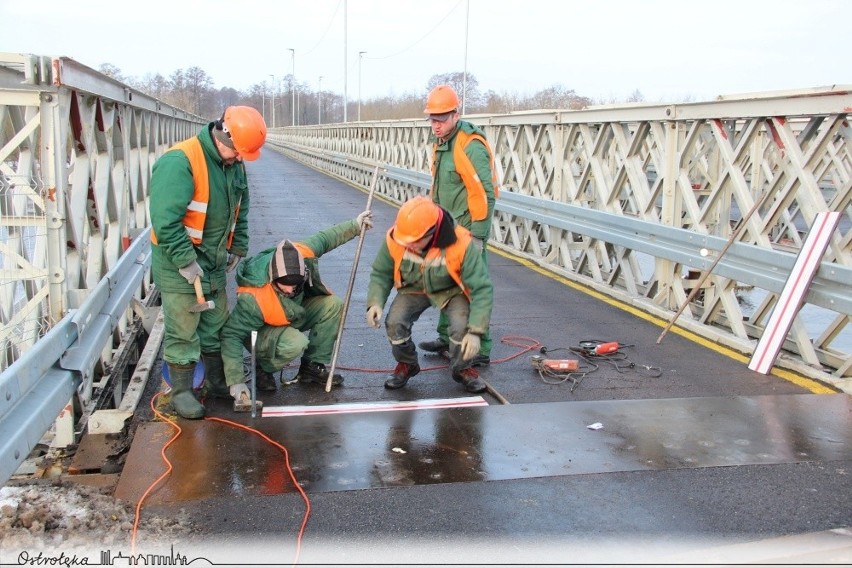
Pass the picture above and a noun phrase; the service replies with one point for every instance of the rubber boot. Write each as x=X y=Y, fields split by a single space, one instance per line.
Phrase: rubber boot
x=183 y=401
x=214 y=376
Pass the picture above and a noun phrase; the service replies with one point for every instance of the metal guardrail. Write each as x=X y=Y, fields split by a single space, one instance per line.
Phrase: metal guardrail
x=749 y=265
x=37 y=387
x=745 y=263
x=624 y=198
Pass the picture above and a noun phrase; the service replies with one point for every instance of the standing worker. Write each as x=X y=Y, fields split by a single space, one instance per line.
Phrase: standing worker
x=199 y=212
x=464 y=182
x=280 y=294
x=431 y=261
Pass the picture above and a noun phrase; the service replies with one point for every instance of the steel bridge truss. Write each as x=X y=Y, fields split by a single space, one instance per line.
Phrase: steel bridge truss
x=624 y=199
x=76 y=152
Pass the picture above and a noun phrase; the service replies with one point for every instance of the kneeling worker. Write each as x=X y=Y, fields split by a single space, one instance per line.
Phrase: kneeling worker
x=280 y=295
x=431 y=261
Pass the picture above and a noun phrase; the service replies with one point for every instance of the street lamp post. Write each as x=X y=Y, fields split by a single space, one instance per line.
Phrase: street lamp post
x=360 y=56
x=319 y=101
x=293 y=87
x=273 y=100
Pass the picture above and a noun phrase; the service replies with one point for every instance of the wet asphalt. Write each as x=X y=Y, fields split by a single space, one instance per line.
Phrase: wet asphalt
x=695 y=452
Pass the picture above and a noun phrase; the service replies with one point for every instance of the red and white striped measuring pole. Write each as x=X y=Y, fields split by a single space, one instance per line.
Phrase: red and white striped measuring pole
x=790 y=300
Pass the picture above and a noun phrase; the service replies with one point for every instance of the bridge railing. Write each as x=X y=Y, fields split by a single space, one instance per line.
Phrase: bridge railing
x=76 y=152
x=624 y=199
x=620 y=198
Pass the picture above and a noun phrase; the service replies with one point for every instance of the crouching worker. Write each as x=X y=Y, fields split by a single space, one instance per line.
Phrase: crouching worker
x=431 y=262
x=280 y=295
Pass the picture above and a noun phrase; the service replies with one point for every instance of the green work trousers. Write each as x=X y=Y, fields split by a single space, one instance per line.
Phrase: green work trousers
x=278 y=345
x=443 y=323
x=189 y=334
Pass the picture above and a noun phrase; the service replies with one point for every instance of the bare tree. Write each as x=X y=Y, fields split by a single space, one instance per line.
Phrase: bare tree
x=111 y=70
x=456 y=80
x=199 y=86
x=558 y=97
x=636 y=97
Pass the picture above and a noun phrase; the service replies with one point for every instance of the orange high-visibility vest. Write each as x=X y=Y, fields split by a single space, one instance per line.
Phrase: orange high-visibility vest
x=268 y=302
x=267 y=298
x=477 y=201
x=454 y=255
x=196 y=211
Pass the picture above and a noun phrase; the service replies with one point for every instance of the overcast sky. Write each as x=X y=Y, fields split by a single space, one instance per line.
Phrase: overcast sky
x=603 y=49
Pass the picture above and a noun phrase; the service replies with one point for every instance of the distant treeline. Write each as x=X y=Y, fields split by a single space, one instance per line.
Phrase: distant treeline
x=193 y=90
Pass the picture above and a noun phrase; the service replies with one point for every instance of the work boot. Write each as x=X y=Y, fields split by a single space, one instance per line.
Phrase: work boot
x=434 y=346
x=469 y=377
x=183 y=401
x=480 y=361
x=401 y=374
x=214 y=376
x=265 y=380
x=310 y=372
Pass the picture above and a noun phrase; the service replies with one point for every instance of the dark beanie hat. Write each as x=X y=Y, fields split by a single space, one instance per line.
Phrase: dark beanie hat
x=288 y=265
x=219 y=134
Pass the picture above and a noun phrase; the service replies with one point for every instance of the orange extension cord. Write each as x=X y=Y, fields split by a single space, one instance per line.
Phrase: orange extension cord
x=169 y=469
x=526 y=344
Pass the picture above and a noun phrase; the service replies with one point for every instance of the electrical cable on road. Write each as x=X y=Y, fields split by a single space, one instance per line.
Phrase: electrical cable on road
x=589 y=351
x=169 y=468
x=589 y=354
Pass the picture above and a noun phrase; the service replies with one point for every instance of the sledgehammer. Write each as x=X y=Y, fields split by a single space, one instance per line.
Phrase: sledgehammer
x=243 y=404
x=201 y=305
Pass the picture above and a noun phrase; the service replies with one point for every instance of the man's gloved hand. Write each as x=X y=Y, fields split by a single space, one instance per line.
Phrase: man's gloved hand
x=470 y=346
x=191 y=271
x=366 y=219
x=374 y=316
x=480 y=244
x=233 y=261
x=240 y=391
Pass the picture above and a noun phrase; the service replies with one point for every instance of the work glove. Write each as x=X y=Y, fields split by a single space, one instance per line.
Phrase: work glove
x=479 y=243
x=233 y=261
x=191 y=271
x=365 y=219
x=470 y=346
x=240 y=391
x=374 y=316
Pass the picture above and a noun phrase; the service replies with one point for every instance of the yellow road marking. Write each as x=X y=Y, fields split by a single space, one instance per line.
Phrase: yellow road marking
x=812 y=385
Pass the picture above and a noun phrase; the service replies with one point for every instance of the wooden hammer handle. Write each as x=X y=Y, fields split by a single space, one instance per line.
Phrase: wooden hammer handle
x=199 y=293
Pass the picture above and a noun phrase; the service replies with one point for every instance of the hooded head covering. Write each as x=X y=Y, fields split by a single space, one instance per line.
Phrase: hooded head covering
x=287 y=265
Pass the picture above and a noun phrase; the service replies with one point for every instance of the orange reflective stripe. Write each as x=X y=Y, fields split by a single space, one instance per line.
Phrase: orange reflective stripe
x=268 y=302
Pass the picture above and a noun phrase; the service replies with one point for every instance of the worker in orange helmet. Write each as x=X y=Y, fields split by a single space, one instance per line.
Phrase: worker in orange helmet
x=199 y=204
x=431 y=261
x=464 y=182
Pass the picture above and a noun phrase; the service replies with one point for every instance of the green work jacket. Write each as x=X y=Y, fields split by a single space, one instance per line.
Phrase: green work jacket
x=247 y=315
x=435 y=281
x=448 y=190
x=172 y=188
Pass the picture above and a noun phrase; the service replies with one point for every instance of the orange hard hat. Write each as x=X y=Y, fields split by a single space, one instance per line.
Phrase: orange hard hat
x=246 y=129
x=415 y=219
x=442 y=98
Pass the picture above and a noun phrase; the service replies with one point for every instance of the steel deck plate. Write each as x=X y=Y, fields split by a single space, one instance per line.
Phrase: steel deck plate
x=399 y=448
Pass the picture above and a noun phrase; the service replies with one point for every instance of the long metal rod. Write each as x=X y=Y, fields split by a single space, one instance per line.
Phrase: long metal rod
x=253 y=374
x=351 y=285
x=697 y=287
